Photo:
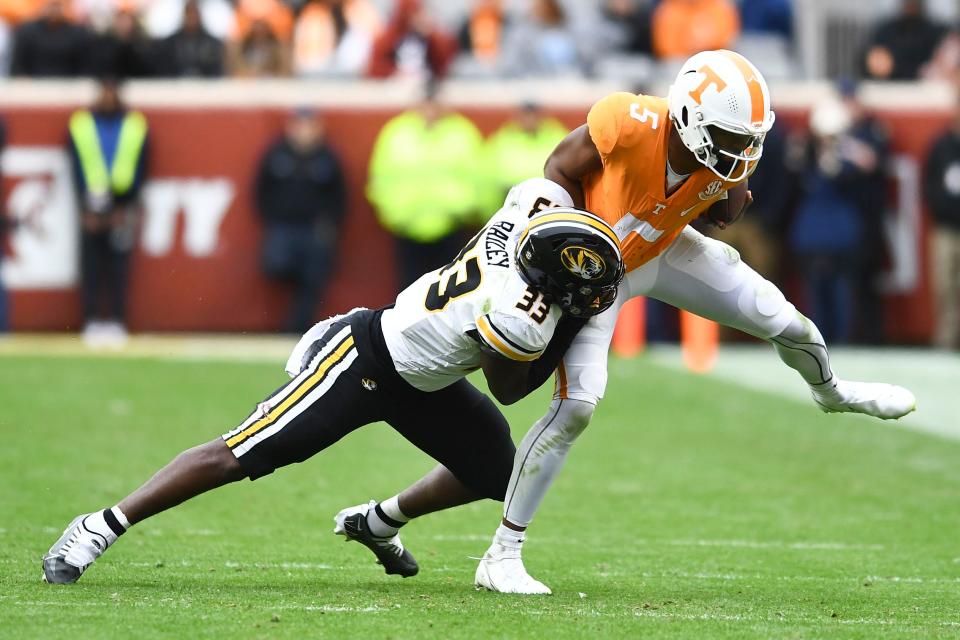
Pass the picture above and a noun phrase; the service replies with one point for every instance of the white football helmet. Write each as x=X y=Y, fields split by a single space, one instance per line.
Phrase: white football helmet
x=720 y=105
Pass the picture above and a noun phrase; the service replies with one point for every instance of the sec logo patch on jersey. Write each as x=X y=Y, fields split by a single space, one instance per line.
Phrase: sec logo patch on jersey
x=712 y=189
x=583 y=262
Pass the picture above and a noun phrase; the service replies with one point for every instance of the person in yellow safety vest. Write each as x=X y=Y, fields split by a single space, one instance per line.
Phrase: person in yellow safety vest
x=108 y=144
x=517 y=151
x=425 y=183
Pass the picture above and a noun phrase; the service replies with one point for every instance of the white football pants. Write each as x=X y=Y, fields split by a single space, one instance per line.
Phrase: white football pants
x=695 y=273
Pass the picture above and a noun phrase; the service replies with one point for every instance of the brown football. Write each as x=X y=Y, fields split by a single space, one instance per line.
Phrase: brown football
x=725 y=212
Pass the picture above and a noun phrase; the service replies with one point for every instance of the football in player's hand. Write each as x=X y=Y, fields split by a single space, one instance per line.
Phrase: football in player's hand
x=727 y=211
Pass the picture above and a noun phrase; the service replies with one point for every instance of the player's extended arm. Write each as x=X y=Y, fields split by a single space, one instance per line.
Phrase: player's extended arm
x=511 y=380
x=572 y=159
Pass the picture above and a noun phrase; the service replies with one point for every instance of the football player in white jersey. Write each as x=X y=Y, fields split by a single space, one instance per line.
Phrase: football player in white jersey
x=509 y=304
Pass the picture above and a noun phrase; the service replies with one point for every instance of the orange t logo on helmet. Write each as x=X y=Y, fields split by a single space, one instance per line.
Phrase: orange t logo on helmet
x=711 y=78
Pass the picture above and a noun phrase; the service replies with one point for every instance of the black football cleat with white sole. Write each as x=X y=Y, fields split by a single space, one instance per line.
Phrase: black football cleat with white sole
x=352 y=524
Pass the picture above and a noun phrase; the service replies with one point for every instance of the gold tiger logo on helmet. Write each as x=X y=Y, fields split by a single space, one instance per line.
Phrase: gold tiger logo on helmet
x=583 y=262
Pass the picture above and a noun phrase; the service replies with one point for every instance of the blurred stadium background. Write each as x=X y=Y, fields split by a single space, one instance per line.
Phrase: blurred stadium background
x=249 y=101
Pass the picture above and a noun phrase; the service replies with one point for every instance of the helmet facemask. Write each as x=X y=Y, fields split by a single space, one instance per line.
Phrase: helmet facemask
x=727 y=150
x=731 y=153
x=589 y=301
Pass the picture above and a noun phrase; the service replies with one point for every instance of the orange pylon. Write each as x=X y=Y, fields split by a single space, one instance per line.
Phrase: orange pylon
x=630 y=334
x=700 y=340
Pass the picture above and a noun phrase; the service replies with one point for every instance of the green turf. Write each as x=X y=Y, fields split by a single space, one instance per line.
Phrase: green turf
x=689 y=509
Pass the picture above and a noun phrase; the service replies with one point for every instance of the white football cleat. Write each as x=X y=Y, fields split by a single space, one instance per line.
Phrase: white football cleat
x=877 y=399
x=501 y=569
x=76 y=550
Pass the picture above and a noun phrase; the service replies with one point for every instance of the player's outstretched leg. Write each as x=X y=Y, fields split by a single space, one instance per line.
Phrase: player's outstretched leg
x=193 y=472
x=708 y=277
x=802 y=347
x=539 y=459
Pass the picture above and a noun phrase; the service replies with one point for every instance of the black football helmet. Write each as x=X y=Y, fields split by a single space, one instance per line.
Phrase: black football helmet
x=573 y=258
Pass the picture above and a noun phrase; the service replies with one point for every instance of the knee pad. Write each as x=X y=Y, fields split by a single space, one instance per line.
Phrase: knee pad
x=765 y=306
x=572 y=418
x=802 y=330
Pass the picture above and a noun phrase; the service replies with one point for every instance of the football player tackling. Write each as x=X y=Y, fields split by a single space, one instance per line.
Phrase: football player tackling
x=508 y=304
x=649 y=166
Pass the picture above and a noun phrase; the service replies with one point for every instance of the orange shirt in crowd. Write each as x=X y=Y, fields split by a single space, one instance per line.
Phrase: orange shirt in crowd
x=17 y=11
x=274 y=12
x=632 y=133
x=486 y=29
x=681 y=28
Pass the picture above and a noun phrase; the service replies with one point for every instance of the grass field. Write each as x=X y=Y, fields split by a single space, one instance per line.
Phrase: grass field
x=692 y=508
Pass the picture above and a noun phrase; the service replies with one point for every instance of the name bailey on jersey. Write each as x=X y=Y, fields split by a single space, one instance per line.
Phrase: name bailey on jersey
x=495 y=244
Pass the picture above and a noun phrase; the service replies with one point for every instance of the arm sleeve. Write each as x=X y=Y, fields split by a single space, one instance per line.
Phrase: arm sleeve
x=510 y=336
x=567 y=329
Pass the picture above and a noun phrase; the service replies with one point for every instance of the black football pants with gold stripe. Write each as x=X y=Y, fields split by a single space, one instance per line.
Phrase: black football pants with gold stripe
x=348 y=380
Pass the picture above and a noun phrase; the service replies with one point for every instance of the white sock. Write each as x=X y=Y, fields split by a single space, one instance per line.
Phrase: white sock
x=97 y=522
x=121 y=518
x=391 y=507
x=385 y=519
x=508 y=537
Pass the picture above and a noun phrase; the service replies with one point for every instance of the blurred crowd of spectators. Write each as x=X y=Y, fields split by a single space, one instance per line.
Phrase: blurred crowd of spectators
x=381 y=38
x=209 y=38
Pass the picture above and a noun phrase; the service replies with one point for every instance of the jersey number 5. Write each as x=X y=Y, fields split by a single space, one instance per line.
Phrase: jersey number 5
x=532 y=302
x=636 y=114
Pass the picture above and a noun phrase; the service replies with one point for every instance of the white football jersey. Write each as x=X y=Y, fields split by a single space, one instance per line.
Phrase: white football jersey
x=440 y=322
